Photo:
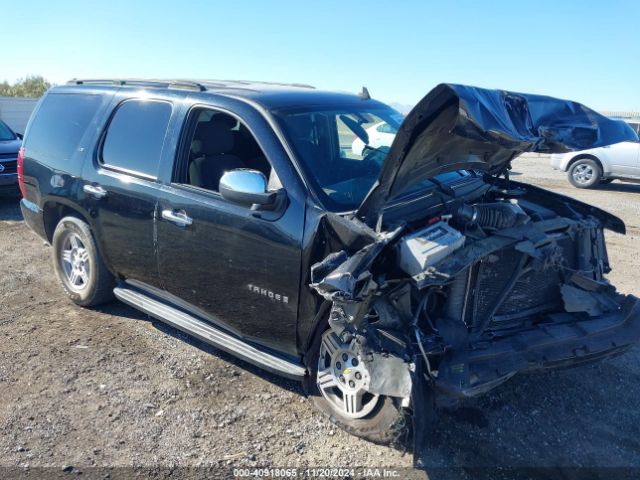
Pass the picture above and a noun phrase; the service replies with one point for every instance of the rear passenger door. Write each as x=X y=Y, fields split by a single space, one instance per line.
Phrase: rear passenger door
x=121 y=188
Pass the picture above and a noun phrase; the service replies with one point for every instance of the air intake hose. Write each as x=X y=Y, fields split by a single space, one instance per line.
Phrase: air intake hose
x=492 y=215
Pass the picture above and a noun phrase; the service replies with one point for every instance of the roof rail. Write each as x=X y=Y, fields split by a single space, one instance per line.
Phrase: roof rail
x=262 y=82
x=200 y=85
x=169 y=84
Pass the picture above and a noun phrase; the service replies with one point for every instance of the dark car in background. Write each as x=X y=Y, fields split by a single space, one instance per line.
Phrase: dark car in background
x=386 y=280
x=10 y=143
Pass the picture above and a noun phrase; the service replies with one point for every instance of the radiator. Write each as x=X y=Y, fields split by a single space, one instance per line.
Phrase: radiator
x=535 y=291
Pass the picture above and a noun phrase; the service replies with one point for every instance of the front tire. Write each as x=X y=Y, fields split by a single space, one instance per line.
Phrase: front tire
x=585 y=173
x=376 y=418
x=78 y=264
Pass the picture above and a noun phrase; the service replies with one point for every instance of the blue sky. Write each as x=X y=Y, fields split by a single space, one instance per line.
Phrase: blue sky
x=584 y=50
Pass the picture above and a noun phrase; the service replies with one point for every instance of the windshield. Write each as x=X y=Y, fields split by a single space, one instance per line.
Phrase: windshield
x=341 y=149
x=6 y=133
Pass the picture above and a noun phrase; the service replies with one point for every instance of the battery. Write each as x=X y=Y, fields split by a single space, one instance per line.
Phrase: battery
x=427 y=247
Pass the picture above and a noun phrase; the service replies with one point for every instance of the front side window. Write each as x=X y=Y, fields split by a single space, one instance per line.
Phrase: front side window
x=217 y=143
x=135 y=136
x=5 y=133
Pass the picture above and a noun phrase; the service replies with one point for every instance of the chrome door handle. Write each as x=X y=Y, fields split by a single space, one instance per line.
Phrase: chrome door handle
x=95 y=191
x=177 y=217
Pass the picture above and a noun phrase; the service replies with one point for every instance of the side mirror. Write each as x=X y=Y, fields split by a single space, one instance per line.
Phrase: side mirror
x=20 y=136
x=246 y=187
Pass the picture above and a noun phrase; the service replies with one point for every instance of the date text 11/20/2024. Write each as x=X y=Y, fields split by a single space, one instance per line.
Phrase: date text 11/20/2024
x=330 y=472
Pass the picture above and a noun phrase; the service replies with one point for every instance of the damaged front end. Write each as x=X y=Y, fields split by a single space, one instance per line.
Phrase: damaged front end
x=529 y=296
x=511 y=280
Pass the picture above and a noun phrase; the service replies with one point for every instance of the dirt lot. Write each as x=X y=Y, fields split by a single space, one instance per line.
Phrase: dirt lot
x=109 y=387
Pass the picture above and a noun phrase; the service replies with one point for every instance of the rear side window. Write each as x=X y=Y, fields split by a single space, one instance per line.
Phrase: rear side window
x=135 y=135
x=58 y=127
x=5 y=132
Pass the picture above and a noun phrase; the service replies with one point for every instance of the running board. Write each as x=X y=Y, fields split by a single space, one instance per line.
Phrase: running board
x=209 y=334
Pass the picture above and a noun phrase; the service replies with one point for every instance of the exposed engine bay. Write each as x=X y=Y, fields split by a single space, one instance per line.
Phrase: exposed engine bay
x=451 y=301
x=461 y=301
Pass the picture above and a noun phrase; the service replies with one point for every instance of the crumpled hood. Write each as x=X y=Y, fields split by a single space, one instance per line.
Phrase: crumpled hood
x=460 y=127
x=10 y=146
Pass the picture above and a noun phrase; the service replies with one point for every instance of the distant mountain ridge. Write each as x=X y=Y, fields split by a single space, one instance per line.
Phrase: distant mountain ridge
x=403 y=108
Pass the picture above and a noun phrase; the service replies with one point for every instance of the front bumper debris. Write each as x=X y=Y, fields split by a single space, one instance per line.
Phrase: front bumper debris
x=565 y=341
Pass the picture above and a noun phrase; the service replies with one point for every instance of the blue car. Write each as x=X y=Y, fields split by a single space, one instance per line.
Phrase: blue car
x=10 y=143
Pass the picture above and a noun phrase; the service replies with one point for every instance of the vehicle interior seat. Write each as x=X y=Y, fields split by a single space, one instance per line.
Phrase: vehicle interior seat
x=249 y=151
x=211 y=152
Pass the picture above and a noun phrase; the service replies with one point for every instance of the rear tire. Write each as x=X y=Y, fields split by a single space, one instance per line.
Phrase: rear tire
x=384 y=424
x=78 y=264
x=584 y=173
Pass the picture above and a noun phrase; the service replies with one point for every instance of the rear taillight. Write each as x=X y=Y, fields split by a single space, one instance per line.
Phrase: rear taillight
x=20 y=169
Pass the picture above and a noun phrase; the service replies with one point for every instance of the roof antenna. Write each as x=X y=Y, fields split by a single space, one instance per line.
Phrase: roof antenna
x=364 y=94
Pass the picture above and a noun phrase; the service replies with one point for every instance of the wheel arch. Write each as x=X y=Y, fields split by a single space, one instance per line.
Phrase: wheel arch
x=583 y=156
x=53 y=211
x=319 y=323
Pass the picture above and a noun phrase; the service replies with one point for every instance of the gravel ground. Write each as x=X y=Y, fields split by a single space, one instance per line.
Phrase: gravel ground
x=106 y=388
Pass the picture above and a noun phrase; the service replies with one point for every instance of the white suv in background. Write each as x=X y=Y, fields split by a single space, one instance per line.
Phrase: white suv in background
x=587 y=168
x=380 y=135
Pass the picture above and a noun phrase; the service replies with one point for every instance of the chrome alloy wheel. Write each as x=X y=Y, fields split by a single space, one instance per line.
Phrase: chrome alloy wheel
x=343 y=379
x=75 y=261
x=583 y=174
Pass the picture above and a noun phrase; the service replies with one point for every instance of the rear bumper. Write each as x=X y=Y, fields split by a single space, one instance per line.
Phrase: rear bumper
x=33 y=217
x=479 y=368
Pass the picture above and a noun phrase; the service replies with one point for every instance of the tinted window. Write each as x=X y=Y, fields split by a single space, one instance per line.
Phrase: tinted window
x=135 y=136
x=219 y=143
x=635 y=126
x=328 y=143
x=5 y=132
x=60 y=122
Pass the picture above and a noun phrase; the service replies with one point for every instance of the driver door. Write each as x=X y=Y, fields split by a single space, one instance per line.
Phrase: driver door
x=236 y=267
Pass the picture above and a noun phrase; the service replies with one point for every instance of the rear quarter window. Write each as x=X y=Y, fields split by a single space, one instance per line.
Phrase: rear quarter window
x=5 y=132
x=635 y=126
x=58 y=127
x=135 y=136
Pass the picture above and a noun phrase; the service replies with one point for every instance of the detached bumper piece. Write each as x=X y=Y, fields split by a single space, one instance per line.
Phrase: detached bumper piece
x=567 y=340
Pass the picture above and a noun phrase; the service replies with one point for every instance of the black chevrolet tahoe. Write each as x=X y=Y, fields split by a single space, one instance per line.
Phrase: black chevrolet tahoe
x=389 y=279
